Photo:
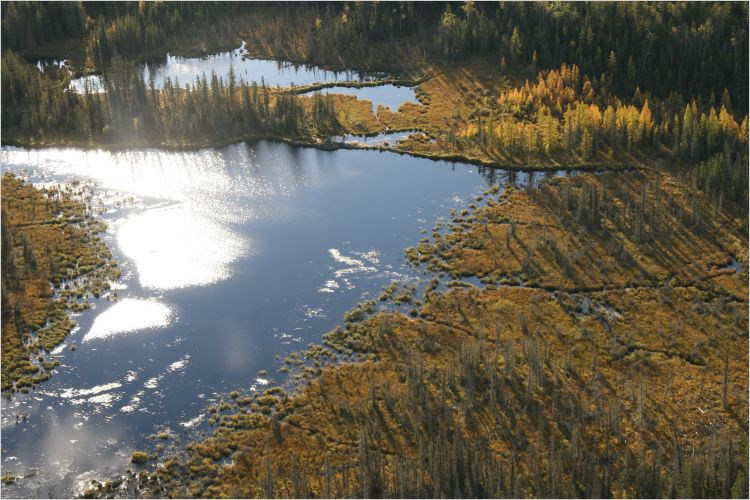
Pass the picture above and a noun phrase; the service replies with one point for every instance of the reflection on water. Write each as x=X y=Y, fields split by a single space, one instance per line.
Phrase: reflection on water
x=128 y=315
x=230 y=257
x=185 y=243
x=205 y=179
x=44 y=65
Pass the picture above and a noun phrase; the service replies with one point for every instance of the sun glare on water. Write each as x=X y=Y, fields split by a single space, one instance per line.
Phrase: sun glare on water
x=129 y=315
x=176 y=248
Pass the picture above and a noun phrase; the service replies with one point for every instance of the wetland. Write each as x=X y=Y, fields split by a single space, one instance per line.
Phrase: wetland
x=363 y=250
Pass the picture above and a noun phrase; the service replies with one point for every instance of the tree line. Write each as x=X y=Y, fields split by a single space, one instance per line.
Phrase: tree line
x=573 y=115
x=26 y=25
x=143 y=29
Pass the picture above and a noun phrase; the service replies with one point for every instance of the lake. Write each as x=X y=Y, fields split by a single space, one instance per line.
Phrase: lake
x=231 y=257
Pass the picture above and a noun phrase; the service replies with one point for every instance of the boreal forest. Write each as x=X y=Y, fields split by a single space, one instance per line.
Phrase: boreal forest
x=374 y=249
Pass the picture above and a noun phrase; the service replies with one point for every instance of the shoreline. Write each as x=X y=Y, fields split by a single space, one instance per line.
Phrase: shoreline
x=329 y=146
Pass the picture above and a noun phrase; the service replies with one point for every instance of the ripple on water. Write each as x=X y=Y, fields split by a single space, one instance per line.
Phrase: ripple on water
x=330 y=286
x=192 y=422
x=77 y=393
x=353 y=265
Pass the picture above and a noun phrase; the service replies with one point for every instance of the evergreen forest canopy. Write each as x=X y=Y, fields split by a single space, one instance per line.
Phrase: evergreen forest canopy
x=692 y=48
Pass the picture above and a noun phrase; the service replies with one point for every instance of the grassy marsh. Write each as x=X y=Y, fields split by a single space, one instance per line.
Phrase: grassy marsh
x=53 y=263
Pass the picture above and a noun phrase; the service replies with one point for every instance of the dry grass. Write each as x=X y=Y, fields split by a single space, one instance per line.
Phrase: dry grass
x=542 y=237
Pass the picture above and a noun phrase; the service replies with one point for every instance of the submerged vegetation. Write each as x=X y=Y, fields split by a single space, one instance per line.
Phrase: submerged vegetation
x=586 y=338
x=52 y=263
